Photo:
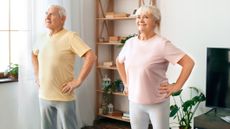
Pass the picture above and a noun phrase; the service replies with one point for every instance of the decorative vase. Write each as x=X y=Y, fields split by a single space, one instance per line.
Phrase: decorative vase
x=106 y=82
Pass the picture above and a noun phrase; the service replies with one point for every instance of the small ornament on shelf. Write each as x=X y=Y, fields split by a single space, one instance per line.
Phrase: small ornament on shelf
x=119 y=85
x=101 y=39
x=106 y=82
x=104 y=108
x=100 y=110
x=110 y=108
x=108 y=63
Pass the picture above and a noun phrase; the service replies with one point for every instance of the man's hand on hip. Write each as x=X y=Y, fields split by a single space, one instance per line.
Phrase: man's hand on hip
x=70 y=86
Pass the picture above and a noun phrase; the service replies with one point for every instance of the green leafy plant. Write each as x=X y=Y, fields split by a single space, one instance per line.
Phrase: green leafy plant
x=107 y=96
x=107 y=92
x=118 y=85
x=13 y=71
x=185 y=110
x=126 y=38
x=109 y=89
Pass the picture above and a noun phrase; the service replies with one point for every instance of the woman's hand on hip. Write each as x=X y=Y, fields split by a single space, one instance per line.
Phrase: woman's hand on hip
x=168 y=89
x=125 y=90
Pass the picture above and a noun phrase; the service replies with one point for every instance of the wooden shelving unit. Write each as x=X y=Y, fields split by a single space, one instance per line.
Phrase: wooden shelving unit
x=114 y=117
x=107 y=50
x=108 y=43
x=107 y=67
x=114 y=93
x=117 y=18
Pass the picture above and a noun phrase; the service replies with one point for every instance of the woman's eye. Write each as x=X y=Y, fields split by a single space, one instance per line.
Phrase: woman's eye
x=145 y=17
x=142 y=17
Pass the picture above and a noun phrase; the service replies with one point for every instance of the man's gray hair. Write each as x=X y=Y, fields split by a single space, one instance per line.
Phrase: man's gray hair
x=62 y=11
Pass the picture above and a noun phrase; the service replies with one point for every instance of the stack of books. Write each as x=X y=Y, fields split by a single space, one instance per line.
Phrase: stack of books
x=125 y=116
x=116 y=14
x=117 y=113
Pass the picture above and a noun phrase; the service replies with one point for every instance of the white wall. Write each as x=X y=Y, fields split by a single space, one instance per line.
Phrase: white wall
x=194 y=25
x=8 y=106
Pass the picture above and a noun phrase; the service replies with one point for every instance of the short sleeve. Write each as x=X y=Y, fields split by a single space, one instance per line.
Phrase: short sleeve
x=172 y=53
x=123 y=53
x=78 y=46
x=39 y=42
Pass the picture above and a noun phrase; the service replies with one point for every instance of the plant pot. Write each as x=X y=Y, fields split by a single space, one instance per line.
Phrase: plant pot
x=1 y=75
x=14 y=77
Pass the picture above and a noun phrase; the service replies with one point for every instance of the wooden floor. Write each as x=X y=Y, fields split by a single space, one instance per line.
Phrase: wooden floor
x=106 y=123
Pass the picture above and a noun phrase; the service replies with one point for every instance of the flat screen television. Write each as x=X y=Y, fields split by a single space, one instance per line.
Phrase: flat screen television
x=218 y=78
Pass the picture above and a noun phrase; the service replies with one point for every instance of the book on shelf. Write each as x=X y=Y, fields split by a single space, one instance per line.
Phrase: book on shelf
x=125 y=116
x=117 y=113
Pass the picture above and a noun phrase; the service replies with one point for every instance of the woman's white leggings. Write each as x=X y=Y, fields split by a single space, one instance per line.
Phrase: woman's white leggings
x=140 y=114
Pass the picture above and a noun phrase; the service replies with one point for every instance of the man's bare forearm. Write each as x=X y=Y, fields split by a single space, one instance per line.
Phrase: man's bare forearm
x=35 y=64
x=89 y=60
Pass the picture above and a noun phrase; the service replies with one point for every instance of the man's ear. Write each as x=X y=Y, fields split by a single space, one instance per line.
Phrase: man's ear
x=63 y=19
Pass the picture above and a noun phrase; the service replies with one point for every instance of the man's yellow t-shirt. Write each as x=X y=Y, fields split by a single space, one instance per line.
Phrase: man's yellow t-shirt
x=56 y=57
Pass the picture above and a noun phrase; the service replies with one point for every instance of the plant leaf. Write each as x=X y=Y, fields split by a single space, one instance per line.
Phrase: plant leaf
x=173 y=110
x=187 y=105
x=196 y=89
x=202 y=97
x=177 y=93
x=128 y=37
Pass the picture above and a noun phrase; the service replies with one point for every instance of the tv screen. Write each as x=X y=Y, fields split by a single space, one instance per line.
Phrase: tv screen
x=218 y=77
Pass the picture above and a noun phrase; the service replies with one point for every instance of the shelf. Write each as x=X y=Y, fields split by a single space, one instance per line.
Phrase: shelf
x=114 y=93
x=118 y=18
x=109 y=43
x=7 y=80
x=114 y=117
x=108 y=37
x=107 y=67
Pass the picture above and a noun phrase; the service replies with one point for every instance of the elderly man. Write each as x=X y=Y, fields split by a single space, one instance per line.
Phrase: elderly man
x=53 y=63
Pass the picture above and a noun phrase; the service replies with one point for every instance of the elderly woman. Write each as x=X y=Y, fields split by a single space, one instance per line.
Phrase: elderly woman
x=142 y=65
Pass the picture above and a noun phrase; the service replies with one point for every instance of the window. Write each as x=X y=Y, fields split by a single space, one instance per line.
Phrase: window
x=14 y=30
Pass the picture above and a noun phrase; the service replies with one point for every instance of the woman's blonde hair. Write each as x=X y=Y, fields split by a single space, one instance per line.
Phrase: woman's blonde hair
x=150 y=9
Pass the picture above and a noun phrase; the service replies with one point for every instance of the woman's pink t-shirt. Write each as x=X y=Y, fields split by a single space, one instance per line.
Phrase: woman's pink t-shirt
x=146 y=63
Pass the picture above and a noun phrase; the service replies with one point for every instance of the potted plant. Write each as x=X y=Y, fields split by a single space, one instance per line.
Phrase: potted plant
x=12 y=71
x=185 y=110
x=119 y=87
x=108 y=88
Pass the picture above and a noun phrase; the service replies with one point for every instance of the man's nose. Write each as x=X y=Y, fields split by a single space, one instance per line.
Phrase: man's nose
x=48 y=15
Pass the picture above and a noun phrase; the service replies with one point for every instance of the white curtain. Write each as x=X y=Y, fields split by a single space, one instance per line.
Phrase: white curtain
x=83 y=22
x=28 y=111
